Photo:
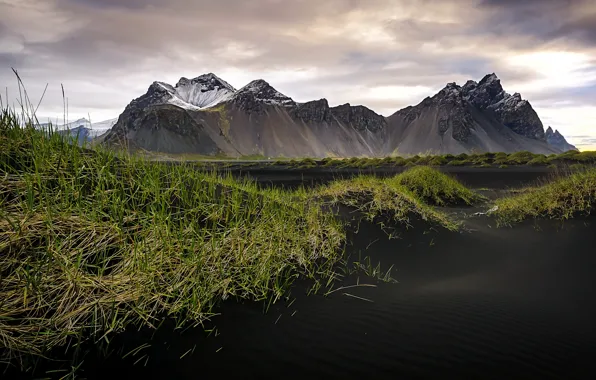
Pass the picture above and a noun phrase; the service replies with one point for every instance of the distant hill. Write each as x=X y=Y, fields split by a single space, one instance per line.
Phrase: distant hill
x=556 y=139
x=207 y=116
x=82 y=129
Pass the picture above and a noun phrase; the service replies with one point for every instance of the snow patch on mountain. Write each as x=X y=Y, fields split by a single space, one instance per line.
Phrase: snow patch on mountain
x=202 y=92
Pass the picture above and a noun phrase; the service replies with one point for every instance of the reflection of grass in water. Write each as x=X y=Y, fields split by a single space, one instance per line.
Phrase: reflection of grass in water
x=563 y=198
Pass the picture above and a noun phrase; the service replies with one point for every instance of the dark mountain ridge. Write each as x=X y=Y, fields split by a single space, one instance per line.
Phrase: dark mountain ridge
x=206 y=115
x=556 y=139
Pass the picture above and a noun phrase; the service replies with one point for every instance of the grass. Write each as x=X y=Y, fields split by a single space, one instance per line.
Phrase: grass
x=92 y=242
x=484 y=160
x=564 y=198
x=401 y=197
x=435 y=187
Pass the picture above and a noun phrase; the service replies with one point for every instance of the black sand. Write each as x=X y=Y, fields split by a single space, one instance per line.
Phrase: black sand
x=486 y=303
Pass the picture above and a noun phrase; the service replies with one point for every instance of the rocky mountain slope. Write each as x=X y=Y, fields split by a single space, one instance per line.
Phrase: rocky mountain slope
x=207 y=116
x=557 y=140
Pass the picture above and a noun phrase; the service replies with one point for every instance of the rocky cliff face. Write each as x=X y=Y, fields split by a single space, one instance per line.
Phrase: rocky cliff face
x=316 y=111
x=454 y=114
x=258 y=119
x=255 y=95
x=557 y=140
x=359 y=117
x=511 y=110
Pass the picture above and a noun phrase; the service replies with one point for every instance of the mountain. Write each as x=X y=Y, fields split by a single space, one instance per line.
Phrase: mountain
x=476 y=117
x=82 y=129
x=201 y=92
x=557 y=140
x=207 y=116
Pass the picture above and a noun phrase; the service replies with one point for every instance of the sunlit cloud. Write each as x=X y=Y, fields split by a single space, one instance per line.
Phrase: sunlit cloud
x=384 y=54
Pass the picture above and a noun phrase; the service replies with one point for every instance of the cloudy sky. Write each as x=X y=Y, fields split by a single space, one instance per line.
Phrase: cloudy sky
x=385 y=54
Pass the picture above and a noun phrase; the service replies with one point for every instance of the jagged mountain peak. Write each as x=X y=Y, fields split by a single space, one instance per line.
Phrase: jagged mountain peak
x=452 y=85
x=488 y=79
x=259 y=119
x=550 y=133
x=556 y=139
x=208 y=81
x=255 y=85
x=314 y=111
x=261 y=91
x=203 y=91
x=484 y=93
x=450 y=90
x=360 y=117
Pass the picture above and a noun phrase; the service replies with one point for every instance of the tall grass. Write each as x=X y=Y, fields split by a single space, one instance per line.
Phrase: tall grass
x=435 y=187
x=92 y=242
x=402 y=197
x=564 y=198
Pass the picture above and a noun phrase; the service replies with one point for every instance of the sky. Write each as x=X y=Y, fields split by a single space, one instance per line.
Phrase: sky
x=384 y=54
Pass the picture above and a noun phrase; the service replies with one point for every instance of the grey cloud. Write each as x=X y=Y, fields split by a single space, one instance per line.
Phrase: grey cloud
x=546 y=20
x=121 y=46
x=580 y=137
x=11 y=60
x=586 y=142
x=583 y=29
x=578 y=96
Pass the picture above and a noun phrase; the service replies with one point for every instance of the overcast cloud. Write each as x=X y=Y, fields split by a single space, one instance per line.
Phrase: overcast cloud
x=384 y=54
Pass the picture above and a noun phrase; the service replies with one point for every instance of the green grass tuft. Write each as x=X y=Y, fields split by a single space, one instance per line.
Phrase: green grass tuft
x=562 y=199
x=435 y=187
x=375 y=197
x=92 y=242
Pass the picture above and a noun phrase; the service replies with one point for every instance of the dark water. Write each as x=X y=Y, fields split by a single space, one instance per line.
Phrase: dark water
x=491 y=303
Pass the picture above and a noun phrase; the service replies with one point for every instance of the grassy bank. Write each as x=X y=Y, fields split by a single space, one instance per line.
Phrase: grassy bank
x=479 y=160
x=408 y=195
x=563 y=198
x=92 y=242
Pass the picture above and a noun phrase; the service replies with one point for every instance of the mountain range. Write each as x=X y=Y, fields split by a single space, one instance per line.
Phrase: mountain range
x=207 y=116
x=81 y=129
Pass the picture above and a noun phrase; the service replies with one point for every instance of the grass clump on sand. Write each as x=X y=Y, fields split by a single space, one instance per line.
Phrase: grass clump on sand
x=92 y=242
x=562 y=199
x=435 y=187
x=374 y=197
x=400 y=197
x=485 y=160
